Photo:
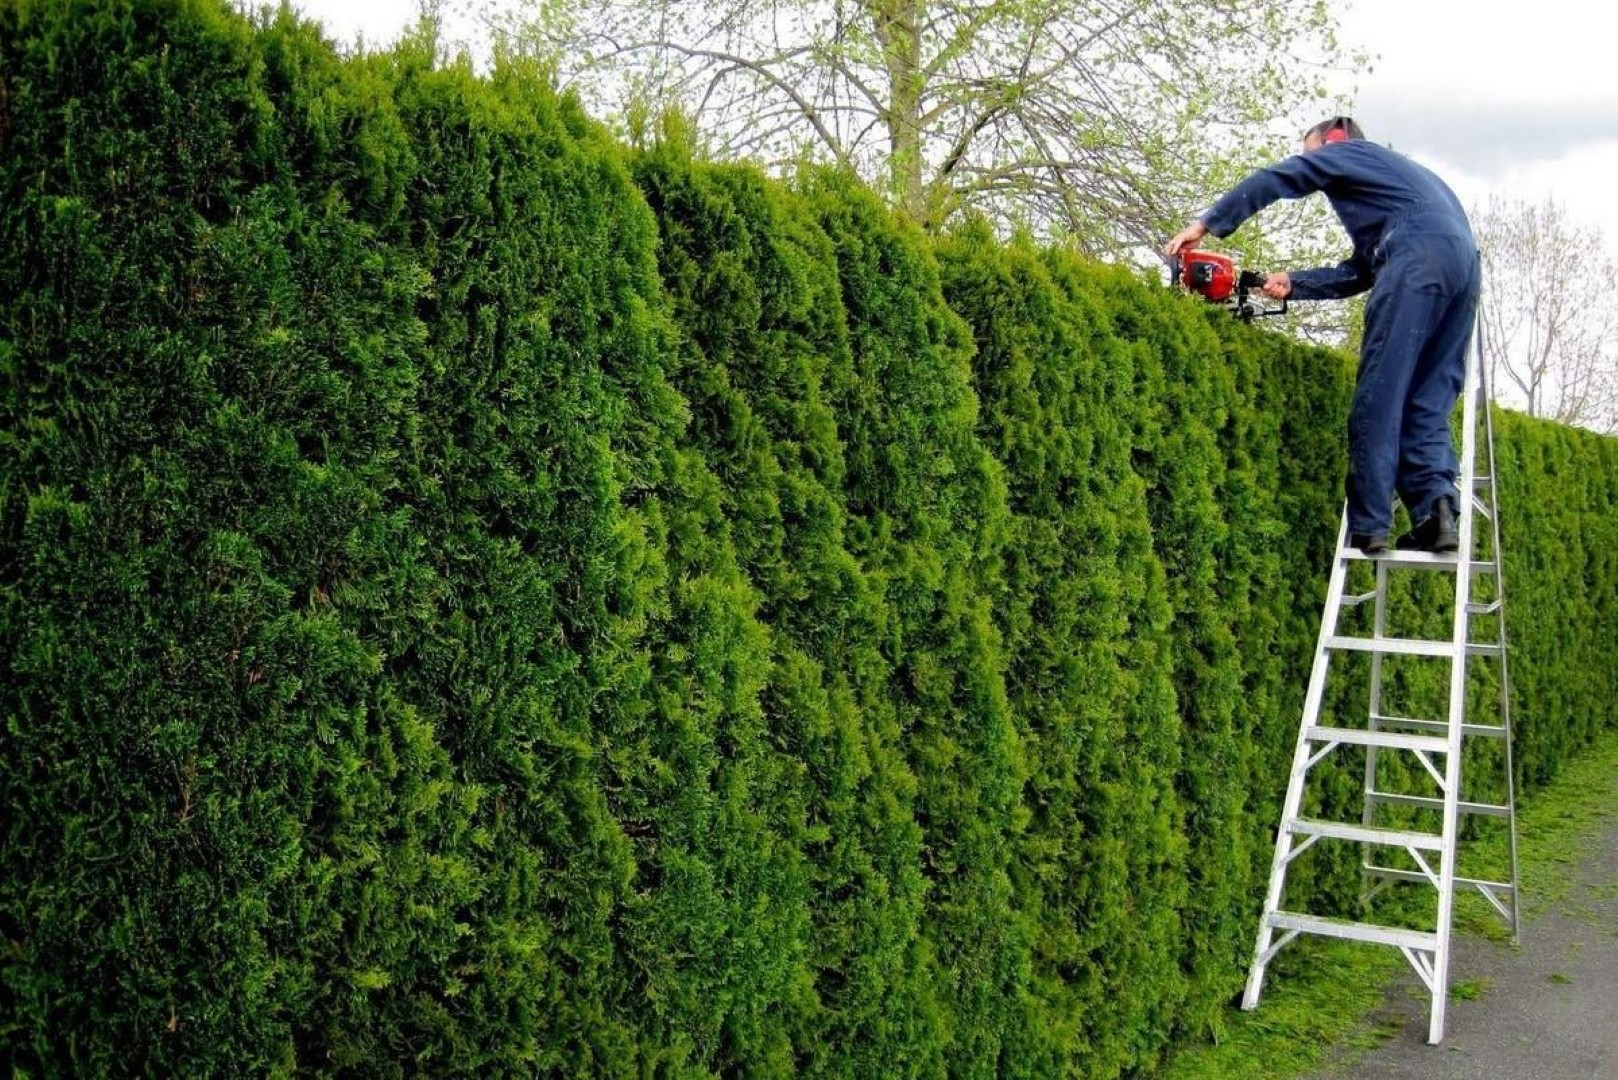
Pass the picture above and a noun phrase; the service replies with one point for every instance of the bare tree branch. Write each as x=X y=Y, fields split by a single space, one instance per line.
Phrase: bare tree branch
x=1549 y=323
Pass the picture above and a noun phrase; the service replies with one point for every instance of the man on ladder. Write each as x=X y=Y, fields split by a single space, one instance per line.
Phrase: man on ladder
x=1413 y=248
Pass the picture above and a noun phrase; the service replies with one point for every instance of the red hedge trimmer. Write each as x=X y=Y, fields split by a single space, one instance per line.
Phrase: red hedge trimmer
x=1215 y=278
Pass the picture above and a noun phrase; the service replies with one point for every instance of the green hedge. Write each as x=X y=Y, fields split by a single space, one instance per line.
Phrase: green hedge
x=476 y=600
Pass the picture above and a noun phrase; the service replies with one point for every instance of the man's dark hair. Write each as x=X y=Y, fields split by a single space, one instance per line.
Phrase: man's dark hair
x=1345 y=124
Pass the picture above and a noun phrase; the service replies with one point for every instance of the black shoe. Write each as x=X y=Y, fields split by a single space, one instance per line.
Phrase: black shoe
x=1436 y=532
x=1369 y=543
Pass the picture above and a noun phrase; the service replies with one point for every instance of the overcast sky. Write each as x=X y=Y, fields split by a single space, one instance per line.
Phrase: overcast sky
x=1515 y=100
x=1518 y=101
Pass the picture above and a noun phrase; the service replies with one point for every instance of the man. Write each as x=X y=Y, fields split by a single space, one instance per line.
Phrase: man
x=1414 y=250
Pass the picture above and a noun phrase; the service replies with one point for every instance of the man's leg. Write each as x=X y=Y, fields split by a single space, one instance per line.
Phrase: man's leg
x=1427 y=462
x=1398 y=320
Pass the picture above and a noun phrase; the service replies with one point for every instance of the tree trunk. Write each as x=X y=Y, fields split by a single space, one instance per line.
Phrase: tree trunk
x=898 y=31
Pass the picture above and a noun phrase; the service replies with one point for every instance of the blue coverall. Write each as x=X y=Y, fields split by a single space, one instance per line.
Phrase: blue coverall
x=1414 y=250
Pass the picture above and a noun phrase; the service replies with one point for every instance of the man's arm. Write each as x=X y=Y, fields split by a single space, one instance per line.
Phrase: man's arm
x=1297 y=176
x=1347 y=278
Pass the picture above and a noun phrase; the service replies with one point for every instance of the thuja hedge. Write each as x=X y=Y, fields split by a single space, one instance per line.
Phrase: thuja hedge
x=479 y=600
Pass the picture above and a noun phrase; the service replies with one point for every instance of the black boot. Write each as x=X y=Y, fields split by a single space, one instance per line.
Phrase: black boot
x=1436 y=532
x=1369 y=543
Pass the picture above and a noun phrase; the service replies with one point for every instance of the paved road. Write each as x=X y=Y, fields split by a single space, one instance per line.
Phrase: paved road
x=1547 y=1011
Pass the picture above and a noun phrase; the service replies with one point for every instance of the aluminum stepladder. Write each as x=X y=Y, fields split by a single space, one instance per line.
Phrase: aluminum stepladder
x=1437 y=745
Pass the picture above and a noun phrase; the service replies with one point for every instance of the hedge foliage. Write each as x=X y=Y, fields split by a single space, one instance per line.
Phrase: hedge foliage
x=477 y=600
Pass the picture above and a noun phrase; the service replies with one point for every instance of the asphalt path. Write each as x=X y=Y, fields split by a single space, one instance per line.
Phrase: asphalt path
x=1546 y=1009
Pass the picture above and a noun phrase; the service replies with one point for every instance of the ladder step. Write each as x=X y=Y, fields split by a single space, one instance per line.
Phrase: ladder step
x=1440 y=727
x=1420 y=559
x=1409 y=646
x=1364 y=834
x=1404 y=646
x=1392 y=740
x=1401 y=558
x=1428 y=803
x=1353 y=931
x=1483 y=609
x=1395 y=874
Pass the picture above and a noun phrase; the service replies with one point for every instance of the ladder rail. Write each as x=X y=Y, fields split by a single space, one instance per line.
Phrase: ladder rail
x=1457 y=700
x=1379 y=629
x=1301 y=761
x=1500 y=600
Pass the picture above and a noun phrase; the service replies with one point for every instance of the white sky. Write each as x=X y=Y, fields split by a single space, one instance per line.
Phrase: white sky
x=1509 y=99
x=379 y=21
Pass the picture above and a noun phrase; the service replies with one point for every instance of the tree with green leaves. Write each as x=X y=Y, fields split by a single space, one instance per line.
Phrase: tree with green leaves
x=1102 y=120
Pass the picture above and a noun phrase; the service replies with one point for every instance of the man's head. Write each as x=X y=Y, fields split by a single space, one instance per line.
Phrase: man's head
x=1337 y=129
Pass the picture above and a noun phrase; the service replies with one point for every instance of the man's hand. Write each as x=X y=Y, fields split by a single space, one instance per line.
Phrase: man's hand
x=1278 y=286
x=1185 y=239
